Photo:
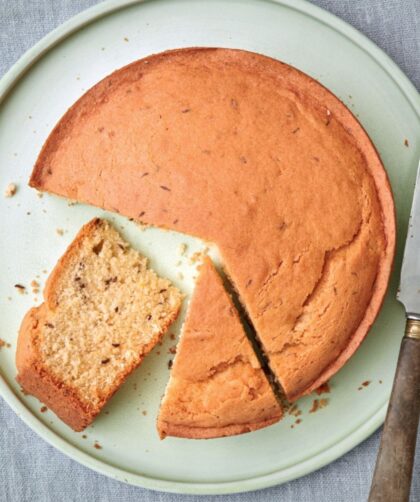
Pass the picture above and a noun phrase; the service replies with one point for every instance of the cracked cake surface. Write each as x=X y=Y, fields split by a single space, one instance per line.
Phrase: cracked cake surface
x=258 y=158
x=217 y=387
x=104 y=310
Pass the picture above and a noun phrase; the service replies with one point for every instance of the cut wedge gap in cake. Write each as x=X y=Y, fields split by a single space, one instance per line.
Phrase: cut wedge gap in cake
x=255 y=341
x=217 y=386
x=103 y=311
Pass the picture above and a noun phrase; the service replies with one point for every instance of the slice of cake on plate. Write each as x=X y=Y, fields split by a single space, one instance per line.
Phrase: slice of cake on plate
x=217 y=387
x=104 y=310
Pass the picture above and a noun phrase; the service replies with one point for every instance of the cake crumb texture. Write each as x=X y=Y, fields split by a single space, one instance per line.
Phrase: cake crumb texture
x=103 y=311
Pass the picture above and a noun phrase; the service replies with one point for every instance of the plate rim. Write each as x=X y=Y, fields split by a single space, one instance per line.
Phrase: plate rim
x=325 y=456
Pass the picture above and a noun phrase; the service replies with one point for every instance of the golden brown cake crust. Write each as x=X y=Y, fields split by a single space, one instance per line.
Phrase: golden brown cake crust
x=34 y=374
x=188 y=432
x=217 y=387
x=260 y=159
x=36 y=380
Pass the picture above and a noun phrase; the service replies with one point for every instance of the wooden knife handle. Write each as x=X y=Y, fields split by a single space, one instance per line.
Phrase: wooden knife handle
x=394 y=465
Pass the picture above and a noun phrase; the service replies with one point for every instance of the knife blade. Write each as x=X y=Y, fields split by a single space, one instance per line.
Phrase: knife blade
x=394 y=465
x=409 y=291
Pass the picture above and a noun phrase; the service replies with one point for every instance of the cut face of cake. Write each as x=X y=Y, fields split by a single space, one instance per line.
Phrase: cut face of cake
x=104 y=310
x=217 y=387
x=260 y=159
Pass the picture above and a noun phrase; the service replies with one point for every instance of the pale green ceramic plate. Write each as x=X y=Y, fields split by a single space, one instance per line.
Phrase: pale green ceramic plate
x=36 y=92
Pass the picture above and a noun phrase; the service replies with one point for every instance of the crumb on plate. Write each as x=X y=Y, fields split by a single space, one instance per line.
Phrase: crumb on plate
x=323 y=389
x=318 y=404
x=20 y=289
x=11 y=190
x=182 y=248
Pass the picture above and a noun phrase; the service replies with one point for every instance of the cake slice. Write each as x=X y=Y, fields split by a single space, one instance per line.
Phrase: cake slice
x=104 y=310
x=217 y=387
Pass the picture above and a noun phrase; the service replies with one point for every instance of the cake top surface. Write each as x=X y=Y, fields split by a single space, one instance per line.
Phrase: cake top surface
x=216 y=381
x=260 y=159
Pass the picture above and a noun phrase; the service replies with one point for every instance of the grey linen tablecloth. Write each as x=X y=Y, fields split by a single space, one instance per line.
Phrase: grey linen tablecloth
x=30 y=469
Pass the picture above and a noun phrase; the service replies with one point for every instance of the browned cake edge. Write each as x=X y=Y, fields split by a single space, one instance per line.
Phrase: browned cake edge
x=386 y=201
x=37 y=381
x=167 y=429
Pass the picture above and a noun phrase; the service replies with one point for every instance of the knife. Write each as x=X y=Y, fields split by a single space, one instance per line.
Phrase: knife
x=394 y=466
